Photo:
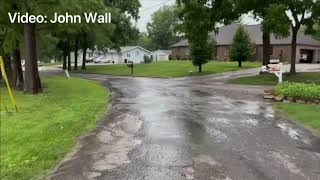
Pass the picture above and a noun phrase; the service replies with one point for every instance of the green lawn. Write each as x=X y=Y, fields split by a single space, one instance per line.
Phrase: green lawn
x=47 y=125
x=271 y=79
x=49 y=64
x=168 y=68
x=305 y=114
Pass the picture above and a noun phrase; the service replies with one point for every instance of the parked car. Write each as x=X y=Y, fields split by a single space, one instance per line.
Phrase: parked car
x=89 y=60
x=100 y=60
x=303 y=58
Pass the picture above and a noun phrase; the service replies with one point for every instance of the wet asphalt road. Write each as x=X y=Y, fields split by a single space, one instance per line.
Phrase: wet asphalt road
x=191 y=128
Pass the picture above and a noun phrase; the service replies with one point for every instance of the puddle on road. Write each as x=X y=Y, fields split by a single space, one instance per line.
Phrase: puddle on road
x=285 y=161
x=220 y=120
x=294 y=134
x=244 y=107
x=218 y=135
x=250 y=122
x=206 y=159
x=216 y=167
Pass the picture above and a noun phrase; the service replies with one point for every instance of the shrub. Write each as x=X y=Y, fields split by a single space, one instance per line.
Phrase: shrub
x=299 y=90
x=170 y=57
x=241 y=48
x=147 y=59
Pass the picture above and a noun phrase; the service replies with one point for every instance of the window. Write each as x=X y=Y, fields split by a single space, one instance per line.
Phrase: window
x=128 y=55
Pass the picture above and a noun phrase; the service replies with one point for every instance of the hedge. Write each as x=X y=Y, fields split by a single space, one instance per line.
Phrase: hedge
x=299 y=90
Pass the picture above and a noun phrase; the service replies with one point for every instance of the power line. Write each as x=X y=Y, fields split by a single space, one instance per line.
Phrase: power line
x=154 y=6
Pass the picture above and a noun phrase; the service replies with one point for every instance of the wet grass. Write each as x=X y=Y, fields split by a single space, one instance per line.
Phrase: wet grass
x=168 y=68
x=47 y=125
x=49 y=64
x=306 y=114
x=271 y=79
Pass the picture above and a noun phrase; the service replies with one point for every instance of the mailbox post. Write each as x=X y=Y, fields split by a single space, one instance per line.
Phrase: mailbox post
x=276 y=68
x=131 y=66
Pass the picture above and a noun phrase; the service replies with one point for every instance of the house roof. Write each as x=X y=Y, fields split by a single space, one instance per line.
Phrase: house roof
x=129 y=48
x=226 y=33
x=168 y=52
x=182 y=43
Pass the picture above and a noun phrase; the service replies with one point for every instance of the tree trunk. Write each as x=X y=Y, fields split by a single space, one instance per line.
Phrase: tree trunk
x=76 y=55
x=293 y=51
x=32 y=78
x=69 y=61
x=64 y=66
x=200 y=68
x=84 y=55
x=239 y=63
x=266 y=47
x=17 y=69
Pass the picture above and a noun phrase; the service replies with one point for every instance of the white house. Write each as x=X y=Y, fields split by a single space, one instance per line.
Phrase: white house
x=127 y=53
x=161 y=55
x=134 y=53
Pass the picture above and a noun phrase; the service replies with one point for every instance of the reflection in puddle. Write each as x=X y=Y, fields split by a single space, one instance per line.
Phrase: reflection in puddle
x=285 y=160
x=251 y=122
x=218 y=135
x=291 y=132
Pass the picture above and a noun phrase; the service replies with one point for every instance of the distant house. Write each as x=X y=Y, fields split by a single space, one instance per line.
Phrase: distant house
x=133 y=53
x=127 y=53
x=161 y=55
x=308 y=48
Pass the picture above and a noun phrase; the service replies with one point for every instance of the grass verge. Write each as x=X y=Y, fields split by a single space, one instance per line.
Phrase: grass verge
x=306 y=114
x=47 y=125
x=271 y=79
x=49 y=64
x=168 y=68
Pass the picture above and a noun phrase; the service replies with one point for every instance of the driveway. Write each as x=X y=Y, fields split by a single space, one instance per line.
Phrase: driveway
x=191 y=128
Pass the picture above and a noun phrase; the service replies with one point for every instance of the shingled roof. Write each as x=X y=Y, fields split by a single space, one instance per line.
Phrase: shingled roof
x=226 y=33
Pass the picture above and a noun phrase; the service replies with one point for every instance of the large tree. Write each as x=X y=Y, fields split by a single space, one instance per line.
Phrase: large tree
x=32 y=78
x=259 y=9
x=200 y=17
x=145 y=41
x=111 y=36
x=287 y=16
x=11 y=38
x=161 y=29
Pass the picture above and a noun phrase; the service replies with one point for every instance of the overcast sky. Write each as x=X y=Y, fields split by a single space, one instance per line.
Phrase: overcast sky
x=148 y=7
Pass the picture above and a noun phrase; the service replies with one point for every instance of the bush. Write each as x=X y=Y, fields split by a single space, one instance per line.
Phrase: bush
x=147 y=59
x=170 y=57
x=299 y=91
x=241 y=48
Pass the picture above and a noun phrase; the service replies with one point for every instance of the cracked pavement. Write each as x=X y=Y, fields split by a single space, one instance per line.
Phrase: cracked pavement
x=191 y=128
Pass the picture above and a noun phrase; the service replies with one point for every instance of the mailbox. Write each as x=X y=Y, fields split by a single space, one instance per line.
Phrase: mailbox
x=131 y=66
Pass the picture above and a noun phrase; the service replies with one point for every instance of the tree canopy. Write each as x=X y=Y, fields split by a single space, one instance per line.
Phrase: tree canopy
x=58 y=40
x=161 y=29
x=286 y=17
x=198 y=19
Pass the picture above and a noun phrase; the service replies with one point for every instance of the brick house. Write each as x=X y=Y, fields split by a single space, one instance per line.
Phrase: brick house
x=308 y=48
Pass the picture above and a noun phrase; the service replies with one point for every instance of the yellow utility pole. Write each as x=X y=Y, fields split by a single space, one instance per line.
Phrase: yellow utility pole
x=4 y=75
